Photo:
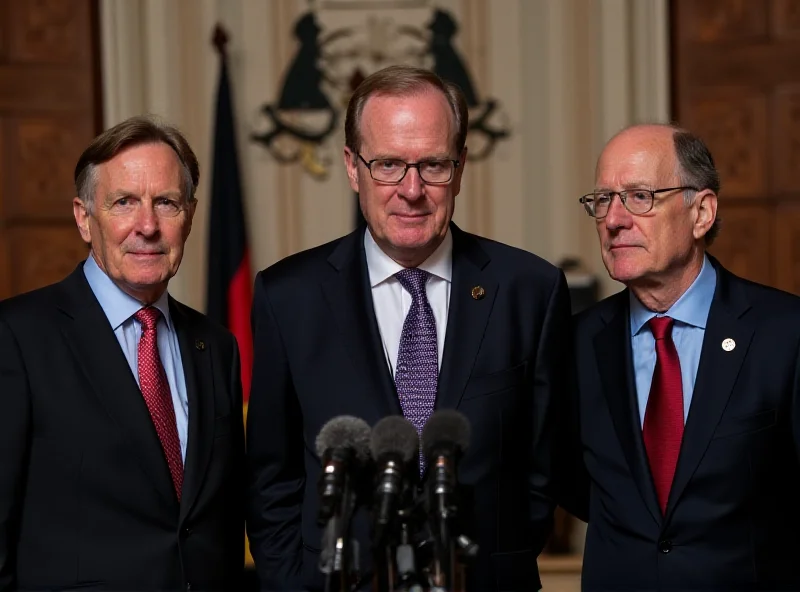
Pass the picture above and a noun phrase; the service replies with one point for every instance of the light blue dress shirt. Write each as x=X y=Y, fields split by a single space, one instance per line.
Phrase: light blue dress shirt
x=690 y=313
x=119 y=308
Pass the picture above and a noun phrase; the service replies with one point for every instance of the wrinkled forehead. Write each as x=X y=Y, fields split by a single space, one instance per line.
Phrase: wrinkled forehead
x=637 y=160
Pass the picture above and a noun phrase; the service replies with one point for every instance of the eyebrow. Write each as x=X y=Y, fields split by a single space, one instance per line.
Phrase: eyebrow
x=120 y=193
x=626 y=187
x=423 y=159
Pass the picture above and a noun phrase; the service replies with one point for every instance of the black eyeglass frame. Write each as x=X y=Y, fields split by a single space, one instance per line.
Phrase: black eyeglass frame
x=410 y=165
x=588 y=199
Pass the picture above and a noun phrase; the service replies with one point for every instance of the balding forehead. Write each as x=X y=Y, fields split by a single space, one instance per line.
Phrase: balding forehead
x=641 y=154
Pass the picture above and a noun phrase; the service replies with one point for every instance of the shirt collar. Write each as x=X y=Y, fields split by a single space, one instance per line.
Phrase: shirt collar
x=382 y=267
x=691 y=308
x=116 y=304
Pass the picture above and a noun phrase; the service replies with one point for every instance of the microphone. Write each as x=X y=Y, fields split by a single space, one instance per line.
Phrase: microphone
x=445 y=438
x=393 y=445
x=343 y=446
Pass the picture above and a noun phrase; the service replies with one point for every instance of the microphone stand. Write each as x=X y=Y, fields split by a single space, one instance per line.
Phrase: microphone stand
x=442 y=574
x=451 y=547
x=395 y=553
x=408 y=579
x=339 y=558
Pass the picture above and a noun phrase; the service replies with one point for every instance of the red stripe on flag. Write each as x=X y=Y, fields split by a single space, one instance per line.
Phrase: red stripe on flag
x=240 y=299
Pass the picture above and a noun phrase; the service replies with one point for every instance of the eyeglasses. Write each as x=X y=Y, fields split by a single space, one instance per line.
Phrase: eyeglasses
x=390 y=170
x=636 y=201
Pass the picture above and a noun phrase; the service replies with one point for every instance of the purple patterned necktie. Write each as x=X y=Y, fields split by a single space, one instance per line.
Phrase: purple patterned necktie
x=417 y=371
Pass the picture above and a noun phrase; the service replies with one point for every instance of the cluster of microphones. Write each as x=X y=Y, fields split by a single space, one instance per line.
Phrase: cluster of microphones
x=418 y=542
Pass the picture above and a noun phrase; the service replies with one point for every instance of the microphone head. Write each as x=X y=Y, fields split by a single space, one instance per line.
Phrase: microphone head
x=345 y=431
x=447 y=427
x=394 y=434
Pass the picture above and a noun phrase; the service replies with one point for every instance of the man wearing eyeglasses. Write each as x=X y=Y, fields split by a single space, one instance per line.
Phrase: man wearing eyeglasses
x=406 y=316
x=685 y=417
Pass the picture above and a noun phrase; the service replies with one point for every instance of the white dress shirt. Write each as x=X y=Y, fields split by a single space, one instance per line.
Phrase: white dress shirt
x=392 y=302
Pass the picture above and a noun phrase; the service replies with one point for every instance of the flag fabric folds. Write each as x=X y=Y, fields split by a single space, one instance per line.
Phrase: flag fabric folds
x=230 y=292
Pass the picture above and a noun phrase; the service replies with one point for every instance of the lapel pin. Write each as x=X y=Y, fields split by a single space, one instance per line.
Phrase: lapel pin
x=478 y=292
x=200 y=344
x=728 y=344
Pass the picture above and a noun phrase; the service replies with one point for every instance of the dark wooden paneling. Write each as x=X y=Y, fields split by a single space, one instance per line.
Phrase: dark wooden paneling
x=732 y=120
x=45 y=151
x=49 y=31
x=42 y=254
x=5 y=266
x=714 y=21
x=736 y=82
x=787 y=245
x=745 y=243
x=786 y=19
x=785 y=155
x=46 y=88
x=49 y=112
x=4 y=30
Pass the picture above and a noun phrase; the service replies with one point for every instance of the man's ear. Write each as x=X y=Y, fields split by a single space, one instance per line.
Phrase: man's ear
x=705 y=203
x=351 y=164
x=457 y=174
x=81 y=213
x=190 y=209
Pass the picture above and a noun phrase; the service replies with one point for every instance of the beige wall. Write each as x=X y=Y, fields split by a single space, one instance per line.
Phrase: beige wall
x=567 y=72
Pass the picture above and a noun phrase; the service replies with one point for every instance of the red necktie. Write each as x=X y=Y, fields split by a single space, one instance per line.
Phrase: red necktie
x=155 y=390
x=663 y=419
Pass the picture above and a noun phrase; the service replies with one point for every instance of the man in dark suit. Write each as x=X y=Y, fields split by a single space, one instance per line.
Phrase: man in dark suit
x=687 y=389
x=121 y=433
x=332 y=337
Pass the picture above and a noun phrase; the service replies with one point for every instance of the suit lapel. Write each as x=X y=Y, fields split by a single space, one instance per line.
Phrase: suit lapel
x=466 y=319
x=199 y=377
x=99 y=355
x=349 y=296
x=612 y=346
x=716 y=376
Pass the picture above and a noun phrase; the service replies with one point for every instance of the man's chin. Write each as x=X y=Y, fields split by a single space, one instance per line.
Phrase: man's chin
x=145 y=282
x=411 y=244
x=624 y=273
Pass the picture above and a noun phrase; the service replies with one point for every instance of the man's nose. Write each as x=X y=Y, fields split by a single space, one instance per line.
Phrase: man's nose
x=146 y=219
x=411 y=185
x=618 y=215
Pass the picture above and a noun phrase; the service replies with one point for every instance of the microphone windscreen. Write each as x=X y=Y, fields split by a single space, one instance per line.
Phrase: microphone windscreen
x=345 y=431
x=445 y=427
x=395 y=434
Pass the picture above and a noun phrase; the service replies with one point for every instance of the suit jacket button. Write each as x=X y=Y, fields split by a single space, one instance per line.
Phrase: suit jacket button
x=187 y=531
x=665 y=546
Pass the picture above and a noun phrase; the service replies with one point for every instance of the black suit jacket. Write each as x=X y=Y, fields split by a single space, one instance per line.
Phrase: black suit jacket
x=319 y=355
x=731 y=521
x=86 y=498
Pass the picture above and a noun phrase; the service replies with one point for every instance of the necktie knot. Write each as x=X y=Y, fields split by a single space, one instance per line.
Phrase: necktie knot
x=148 y=317
x=413 y=279
x=661 y=327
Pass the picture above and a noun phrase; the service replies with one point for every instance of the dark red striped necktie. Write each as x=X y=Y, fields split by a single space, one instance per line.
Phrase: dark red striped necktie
x=663 y=419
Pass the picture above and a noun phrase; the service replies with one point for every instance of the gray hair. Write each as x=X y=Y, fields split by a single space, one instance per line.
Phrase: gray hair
x=696 y=169
x=135 y=131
